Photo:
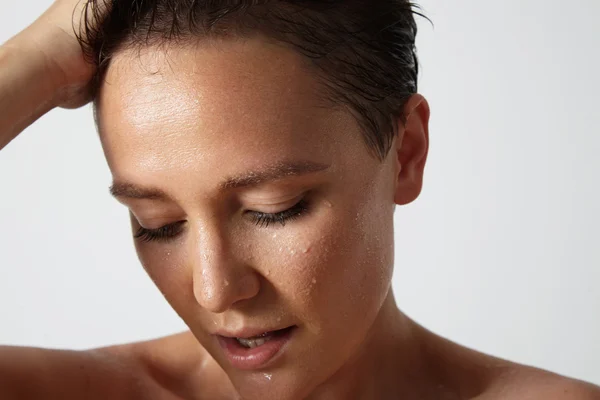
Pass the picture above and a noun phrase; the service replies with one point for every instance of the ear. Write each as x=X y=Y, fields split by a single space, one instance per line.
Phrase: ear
x=410 y=149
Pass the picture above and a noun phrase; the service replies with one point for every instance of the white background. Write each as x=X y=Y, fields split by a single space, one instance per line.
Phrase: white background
x=500 y=253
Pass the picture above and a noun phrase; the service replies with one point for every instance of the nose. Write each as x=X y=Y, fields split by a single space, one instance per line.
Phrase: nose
x=220 y=277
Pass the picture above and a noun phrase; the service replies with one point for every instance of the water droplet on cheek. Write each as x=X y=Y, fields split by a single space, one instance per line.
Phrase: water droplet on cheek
x=278 y=319
x=306 y=249
x=268 y=376
x=226 y=283
x=314 y=281
x=328 y=204
x=292 y=252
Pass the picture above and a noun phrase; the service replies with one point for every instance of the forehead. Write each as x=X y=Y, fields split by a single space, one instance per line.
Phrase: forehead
x=214 y=106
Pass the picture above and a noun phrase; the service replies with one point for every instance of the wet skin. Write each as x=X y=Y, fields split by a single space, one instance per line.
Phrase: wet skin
x=257 y=206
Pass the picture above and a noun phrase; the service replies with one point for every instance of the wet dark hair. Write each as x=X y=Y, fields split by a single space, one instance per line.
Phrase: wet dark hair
x=363 y=50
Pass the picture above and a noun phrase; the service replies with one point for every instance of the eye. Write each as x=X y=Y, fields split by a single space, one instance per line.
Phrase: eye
x=171 y=231
x=265 y=219
x=162 y=234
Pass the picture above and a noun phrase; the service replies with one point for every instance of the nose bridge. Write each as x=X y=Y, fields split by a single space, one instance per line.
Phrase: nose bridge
x=220 y=277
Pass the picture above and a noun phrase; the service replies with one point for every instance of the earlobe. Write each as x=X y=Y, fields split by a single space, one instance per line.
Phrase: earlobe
x=411 y=149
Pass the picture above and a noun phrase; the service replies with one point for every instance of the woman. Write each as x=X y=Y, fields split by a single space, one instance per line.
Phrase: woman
x=261 y=151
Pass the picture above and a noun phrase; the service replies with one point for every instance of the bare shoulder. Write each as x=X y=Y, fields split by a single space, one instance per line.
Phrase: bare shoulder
x=163 y=363
x=175 y=353
x=523 y=382
x=174 y=367
x=479 y=376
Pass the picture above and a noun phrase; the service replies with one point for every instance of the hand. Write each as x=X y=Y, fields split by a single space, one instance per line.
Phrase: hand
x=53 y=33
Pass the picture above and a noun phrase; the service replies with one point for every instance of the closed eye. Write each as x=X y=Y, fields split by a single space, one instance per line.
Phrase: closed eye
x=265 y=219
x=261 y=219
x=162 y=234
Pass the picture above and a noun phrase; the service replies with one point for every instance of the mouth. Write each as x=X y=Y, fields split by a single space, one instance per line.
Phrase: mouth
x=252 y=352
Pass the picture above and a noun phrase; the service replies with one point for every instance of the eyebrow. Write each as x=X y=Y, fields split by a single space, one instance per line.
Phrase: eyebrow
x=248 y=179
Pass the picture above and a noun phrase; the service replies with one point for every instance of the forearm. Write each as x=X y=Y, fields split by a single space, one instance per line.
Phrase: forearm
x=26 y=90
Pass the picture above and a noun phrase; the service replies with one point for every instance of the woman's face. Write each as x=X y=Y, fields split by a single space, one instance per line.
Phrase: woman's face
x=257 y=206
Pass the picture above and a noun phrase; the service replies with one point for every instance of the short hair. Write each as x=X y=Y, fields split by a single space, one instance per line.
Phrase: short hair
x=363 y=51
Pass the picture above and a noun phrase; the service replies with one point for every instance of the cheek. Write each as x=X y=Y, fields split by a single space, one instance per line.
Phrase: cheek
x=339 y=261
x=166 y=266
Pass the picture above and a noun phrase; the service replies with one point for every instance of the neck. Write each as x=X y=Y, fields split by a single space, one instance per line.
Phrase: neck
x=385 y=366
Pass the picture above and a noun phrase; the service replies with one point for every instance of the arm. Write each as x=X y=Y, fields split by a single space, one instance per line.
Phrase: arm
x=31 y=373
x=43 y=67
x=167 y=368
x=26 y=90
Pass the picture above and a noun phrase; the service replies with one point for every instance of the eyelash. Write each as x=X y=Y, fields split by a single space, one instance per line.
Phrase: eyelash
x=162 y=234
x=263 y=220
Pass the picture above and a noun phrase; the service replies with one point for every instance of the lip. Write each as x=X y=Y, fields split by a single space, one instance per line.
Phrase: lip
x=246 y=333
x=258 y=357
